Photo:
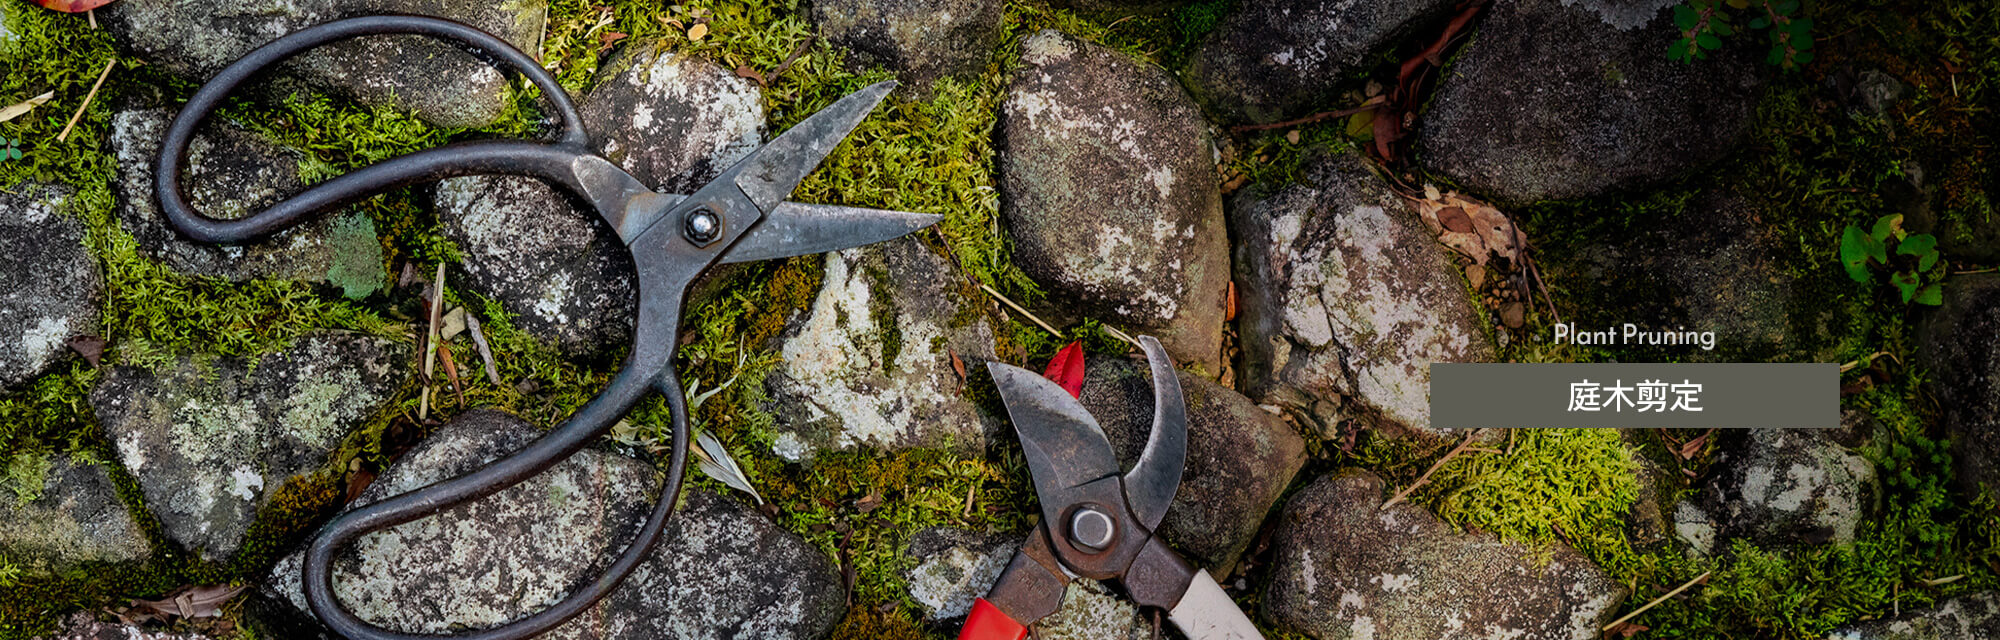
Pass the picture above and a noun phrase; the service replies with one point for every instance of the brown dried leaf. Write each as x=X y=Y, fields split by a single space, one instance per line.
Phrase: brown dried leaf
x=606 y=39
x=1469 y=226
x=698 y=31
x=1455 y=220
x=189 y=601
x=869 y=502
x=1625 y=630
x=89 y=346
x=356 y=481
x=957 y=365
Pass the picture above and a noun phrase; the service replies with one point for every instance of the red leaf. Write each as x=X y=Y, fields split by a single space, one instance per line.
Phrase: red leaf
x=73 y=6
x=1067 y=369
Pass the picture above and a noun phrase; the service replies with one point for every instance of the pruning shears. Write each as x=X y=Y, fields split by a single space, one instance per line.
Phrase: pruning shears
x=740 y=216
x=1097 y=523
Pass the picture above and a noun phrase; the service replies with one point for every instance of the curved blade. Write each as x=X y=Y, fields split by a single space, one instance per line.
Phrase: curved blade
x=794 y=229
x=1063 y=444
x=770 y=173
x=1154 y=479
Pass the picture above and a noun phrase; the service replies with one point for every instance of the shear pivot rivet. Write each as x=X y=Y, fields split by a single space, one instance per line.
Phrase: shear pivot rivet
x=1091 y=528
x=703 y=225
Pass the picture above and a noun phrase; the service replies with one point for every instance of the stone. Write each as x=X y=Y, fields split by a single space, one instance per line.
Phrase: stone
x=84 y=625
x=1278 y=60
x=922 y=40
x=1346 y=299
x=1960 y=343
x=869 y=364
x=1779 y=487
x=1625 y=15
x=1120 y=6
x=210 y=443
x=233 y=173
x=53 y=290
x=1343 y=568
x=1090 y=611
x=1240 y=457
x=1109 y=192
x=440 y=83
x=721 y=570
x=1969 y=617
x=1554 y=100
x=58 y=513
x=672 y=121
x=953 y=567
x=1710 y=266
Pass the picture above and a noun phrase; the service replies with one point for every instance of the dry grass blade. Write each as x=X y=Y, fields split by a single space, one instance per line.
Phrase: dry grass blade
x=1656 y=601
x=1010 y=304
x=485 y=351
x=18 y=109
x=189 y=602
x=431 y=341
x=87 y=98
x=715 y=461
x=1461 y=448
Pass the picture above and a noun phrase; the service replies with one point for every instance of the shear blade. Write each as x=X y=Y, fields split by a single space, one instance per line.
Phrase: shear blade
x=1061 y=441
x=793 y=229
x=768 y=176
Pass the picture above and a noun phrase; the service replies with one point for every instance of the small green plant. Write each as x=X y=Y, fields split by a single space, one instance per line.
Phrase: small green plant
x=1915 y=269
x=9 y=149
x=1704 y=23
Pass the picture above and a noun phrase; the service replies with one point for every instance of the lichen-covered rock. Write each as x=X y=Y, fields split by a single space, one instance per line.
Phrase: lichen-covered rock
x=1090 y=611
x=1779 y=487
x=1554 y=100
x=1968 y=617
x=921 y=39
x=53 y=286
x=1108 y=189
x=673 y=122
x=57 y=512
x=437 y=81
x=211 y=443
x=1343 y=568
x=1346 y=300
x=1623 y=14
x=84 y=625
x=233 y=173
x=1707 y=265
x=1281 y=59
x=870 y=363
x=1240 y=457
x=1960 y=343
x=721 y=570
x=954 y=567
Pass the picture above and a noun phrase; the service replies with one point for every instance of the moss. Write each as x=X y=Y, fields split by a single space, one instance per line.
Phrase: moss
x=882 y=312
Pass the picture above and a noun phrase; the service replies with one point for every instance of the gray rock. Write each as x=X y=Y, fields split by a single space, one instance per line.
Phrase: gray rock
x=721 y=571
x=869 y=364
x=1345 y=300
x=210 y=443
x=1968 y=617
x=1554 y=102
x=197 y=40
x=1960 y=343
x=1875 y=91
x=1712 y=265
x=53 y=286
x=83 y=625
x=234 y=173
x=1277 y=60
x=1090 y=611
x=1779 y=487
x=57 y=513
x=955 y=566
x=1623 y=14
x=1120 y=6
x=673 y=122
x=1109 y=191
x=1343 y=569
x=920 y=39
x=1240 y=457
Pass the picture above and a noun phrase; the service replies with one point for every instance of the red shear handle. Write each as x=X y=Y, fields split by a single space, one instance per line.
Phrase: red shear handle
x=988 y=623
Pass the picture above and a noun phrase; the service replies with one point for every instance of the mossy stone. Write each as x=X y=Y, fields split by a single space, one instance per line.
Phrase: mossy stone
x=922 y=40
x=58 y=513
x=1282 y=59
x=1960 y=343
x=53 y=290
x=1974 y=616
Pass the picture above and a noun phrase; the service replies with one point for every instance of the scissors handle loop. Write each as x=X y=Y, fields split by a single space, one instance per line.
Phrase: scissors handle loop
x=550 y=161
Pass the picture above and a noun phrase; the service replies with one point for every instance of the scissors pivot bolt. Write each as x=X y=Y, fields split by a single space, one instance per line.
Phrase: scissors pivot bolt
x=1092 y=528
x=703 y=226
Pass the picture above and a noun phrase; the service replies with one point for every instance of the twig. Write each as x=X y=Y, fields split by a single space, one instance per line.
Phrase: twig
x=1016 y=307
x=969 y=493
x=451 y=371
x=87 y=98
x=1656 y=601
x=1462 y=446
x=1844 y=368
x=1115 y=333
x=1535 y=269
x=1943 y=581
x=431 y=340
x=1975 y=271
x=1372 y=104
x=485 y=352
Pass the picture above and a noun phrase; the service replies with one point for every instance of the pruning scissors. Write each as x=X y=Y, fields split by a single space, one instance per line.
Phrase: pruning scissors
x=1097 y=523
x=740 y=216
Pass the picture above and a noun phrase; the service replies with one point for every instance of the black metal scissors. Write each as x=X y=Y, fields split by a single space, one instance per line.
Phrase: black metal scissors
x=740 y=216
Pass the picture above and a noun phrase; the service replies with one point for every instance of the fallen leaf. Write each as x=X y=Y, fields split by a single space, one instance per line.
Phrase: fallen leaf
x=89 y=346
x=957 y=365
x=1067 y=369
x=189 y=601
x=1693 y=447
x=1626 y=629
x=1292 y=137
x=606 y=39
x=15 y=110
x=1470 y=226
x=1455 y=220
x=745 y=71
x=1229 y=312
x=715 y=462
x=73 y=6
x=356 y=481
x=698 y=31
x=869 y=502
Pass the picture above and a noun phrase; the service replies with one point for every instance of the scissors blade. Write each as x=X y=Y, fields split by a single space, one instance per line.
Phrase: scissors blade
x=1156 y=477
x=793 y=229
x=768 y=176
x=1061 y=441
